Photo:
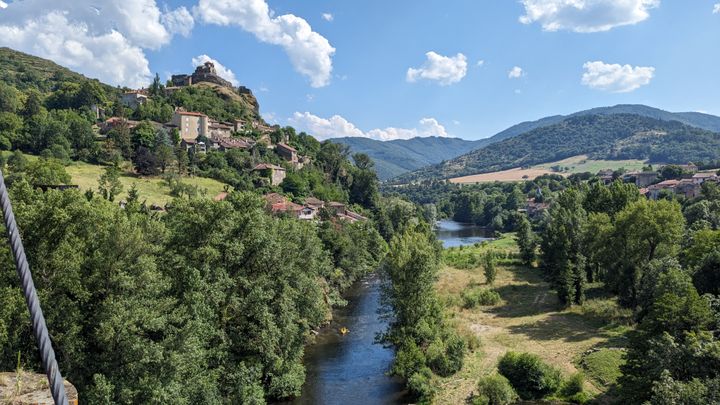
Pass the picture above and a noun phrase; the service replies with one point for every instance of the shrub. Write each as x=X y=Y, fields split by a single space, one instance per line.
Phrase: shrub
x=529 y=375
x=408 y=360
x=573 y=385
x=445 y=358
x=489 y=267
x=494 y=390
x=420 y=386
x=479 y=296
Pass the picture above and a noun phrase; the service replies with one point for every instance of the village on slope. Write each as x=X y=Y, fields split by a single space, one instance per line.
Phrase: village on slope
x=200 y=134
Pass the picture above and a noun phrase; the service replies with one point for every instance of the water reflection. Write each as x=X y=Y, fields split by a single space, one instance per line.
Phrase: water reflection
x=454 y=234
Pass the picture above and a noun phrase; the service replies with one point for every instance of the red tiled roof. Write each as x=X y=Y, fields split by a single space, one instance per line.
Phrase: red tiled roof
x=265 y=166
x=286 y=146
x=195 y=114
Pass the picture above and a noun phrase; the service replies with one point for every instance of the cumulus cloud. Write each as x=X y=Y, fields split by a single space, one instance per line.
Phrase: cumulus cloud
x=309 y=52
x=327 y=17
x=716 y=9
x=337 y=126
x=516 y=73
x=616 y=78
x=178 y=21
x=109 y=57
x=445 y=70
x=222 y=71
x=3 y=4
x=586 y=15
x=104 y=40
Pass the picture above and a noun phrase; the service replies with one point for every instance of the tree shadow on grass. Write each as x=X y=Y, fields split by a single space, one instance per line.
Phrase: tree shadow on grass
x=567 y=326
x=522 y=300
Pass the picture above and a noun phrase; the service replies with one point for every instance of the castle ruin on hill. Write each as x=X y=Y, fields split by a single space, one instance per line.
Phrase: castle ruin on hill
x=205 y=73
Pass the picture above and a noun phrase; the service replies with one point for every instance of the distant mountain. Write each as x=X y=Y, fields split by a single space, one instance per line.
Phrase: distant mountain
x=393 y=158
x=695 y=119
x=600 y=136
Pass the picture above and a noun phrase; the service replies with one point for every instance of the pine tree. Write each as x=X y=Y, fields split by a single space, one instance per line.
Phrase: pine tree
x=526 y=241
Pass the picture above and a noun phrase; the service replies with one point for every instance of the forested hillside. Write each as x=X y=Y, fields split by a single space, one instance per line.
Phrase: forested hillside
x=203 y=300
x=616 y=136
x=393 y=158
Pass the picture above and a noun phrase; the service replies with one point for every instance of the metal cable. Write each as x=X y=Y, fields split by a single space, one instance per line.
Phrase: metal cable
x=36 y=315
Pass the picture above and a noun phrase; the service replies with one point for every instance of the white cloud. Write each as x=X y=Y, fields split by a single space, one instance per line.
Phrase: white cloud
x=109 y=57
x=586 y=15
x=222 y=71
x=3 y=4
x=616 y=78
x=480 y=63
x=104 y=40
x=337 y=126
x=443 y=69
x=324 y=128
x=716 y=9
x=309 y=52
x=516 y=73
x=328 y=17
x=178 y=21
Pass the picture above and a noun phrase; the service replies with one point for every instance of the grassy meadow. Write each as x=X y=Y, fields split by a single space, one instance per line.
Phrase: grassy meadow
x=152 y=189
x=575 y=164
x=528 y=318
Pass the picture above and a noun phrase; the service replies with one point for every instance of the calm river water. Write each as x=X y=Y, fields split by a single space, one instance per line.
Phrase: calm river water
x=454 y=234
x=350 y=369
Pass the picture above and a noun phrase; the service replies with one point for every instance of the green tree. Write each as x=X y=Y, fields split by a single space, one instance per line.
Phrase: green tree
x=489 y=266
x=526 y=241
x=143 y=135
x=109 y=185
x=47 y=172
x=562 y=254
x=644 y=231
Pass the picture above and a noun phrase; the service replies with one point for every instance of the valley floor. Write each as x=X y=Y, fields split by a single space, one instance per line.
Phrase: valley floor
x=575 y=164
x=587 y=338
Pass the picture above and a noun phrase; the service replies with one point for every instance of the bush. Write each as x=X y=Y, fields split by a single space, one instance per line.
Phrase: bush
x=420 y=386
x=479 y=296
x=529 y=375
x=573 y=385
x=445 y=358
x=494 y=390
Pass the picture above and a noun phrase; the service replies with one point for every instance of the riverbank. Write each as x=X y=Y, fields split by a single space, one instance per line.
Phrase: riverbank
x=586 y=338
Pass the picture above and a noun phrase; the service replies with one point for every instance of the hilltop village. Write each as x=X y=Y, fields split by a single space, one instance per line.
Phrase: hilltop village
x=198 y=134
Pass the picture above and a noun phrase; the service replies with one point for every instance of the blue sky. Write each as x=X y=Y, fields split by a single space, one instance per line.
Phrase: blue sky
x=657 y=52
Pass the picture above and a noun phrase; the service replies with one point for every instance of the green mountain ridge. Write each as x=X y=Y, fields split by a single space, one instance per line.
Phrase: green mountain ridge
x=394 y=158
x=600 y=136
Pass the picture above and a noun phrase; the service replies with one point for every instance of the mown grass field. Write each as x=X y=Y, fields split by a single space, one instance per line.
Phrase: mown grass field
x=152 y=189
x=588 y=338
x=575 y=164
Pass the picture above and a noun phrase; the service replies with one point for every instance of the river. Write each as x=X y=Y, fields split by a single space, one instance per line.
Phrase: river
x=351 y=369
x=454 y=234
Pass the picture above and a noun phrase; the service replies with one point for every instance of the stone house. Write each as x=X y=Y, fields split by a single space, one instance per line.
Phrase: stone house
x=193 y=145
x=191 y=124
x=644 y=179
x=133 y=99
x=275 y=173
x=700 y=178
x=287 y=152
x=688 y=188
x=655 y=189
